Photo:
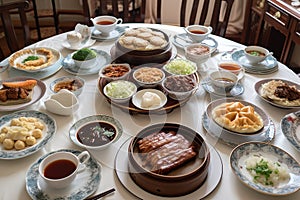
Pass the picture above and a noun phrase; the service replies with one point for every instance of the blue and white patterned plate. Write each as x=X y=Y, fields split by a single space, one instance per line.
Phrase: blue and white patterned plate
x=103 y=59
x=85 y=183
x=182 y=40
x=104 y=118
x=50 y=129
x=238 y=166
x=290 y=127
x=268 y=66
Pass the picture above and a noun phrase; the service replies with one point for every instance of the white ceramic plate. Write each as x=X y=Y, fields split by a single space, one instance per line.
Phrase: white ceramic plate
x=103 y=118
x=137 y=99
x=38 y=92
x=238 y=166
x=182 y=40
x=290 y=127
x=258 y=88
x=48 y=132
x=57 y=57
x=103 y=59
x=85 y=183
x=89 y=43
x=215 y=171
x=213 y=104
x=235 y=139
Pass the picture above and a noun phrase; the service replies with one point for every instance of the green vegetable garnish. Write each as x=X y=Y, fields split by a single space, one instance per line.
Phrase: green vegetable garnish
x=254 y=53
x=30 y=58
x=262 y=169
x=84 y=54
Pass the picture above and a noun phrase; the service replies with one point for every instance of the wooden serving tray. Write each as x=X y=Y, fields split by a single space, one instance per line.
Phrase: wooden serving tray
x=129 y=106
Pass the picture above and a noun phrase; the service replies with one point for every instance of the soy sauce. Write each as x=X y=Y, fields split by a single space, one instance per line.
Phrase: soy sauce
x=59 y=169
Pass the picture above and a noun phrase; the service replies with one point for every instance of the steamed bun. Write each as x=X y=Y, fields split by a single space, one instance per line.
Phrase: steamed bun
x=150 y=99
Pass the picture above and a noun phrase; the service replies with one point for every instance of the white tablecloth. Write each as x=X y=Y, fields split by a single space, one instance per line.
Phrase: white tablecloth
x=12 y=172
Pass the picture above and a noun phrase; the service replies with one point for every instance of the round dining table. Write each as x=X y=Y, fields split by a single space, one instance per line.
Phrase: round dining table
x=13 y=172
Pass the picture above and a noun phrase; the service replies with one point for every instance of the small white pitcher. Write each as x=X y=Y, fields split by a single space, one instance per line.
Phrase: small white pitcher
x=62 y=103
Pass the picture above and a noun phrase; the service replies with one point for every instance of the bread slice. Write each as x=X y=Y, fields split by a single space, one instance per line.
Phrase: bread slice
x=28 y=84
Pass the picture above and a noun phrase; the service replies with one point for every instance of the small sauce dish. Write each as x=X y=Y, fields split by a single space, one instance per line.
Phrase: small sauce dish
x=62 y=103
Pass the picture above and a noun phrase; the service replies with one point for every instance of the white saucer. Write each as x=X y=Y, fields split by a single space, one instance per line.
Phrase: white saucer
x=235 y=91
x=89 y=43
x=103 y=59
x=112 y=35
x=214 y=176
x=85 y=183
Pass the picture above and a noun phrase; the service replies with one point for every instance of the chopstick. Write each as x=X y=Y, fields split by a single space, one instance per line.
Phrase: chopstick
x=98 y=196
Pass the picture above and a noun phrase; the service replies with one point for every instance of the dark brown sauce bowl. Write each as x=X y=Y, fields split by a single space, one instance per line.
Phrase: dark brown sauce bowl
x=90 y=140
x=180 y=181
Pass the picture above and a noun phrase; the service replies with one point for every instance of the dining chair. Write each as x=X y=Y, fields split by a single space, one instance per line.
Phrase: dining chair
x=219 y=26
x=128 y=10
x=13 y=42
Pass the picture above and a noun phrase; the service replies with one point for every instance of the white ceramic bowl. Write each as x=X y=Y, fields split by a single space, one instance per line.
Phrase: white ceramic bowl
x=148 y=77
x=84 y=64
x=180 y=67
x=256 y=54
x=172 y=85
x=99 y=124
x=113 y=72
x=197 y=53
x=223 y=80
x=120 y=91
x=198 y=33
x=74 y=84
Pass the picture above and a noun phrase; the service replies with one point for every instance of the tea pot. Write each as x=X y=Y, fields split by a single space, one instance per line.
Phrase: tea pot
x=62 y=103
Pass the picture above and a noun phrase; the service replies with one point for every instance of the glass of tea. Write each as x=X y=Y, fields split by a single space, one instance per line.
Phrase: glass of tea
x=106 y=24
x=59 y=169
x=198 y=33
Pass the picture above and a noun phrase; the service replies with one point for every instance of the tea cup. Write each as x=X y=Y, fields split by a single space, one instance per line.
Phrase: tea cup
x=59 y=169
x=232 y=67
x=106 y=24
x=223 y=80
x=256 y=54
x=197 y=33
